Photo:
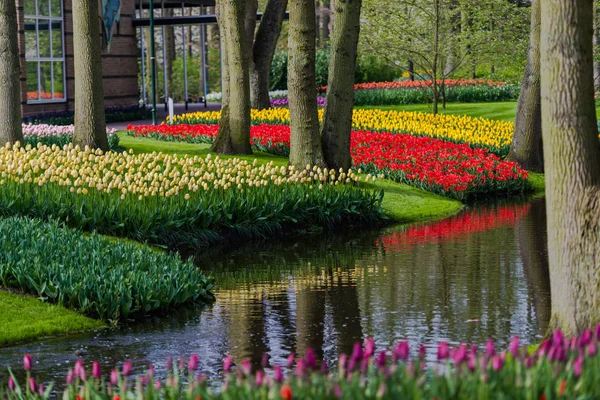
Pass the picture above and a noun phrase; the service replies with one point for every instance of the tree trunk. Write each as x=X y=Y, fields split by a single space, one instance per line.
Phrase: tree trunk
x=596 y=45
x=264 y=49
x=234 y=132
x=169 y=54
x=188 y=35
x=318 y=6
x=305 y=143
x=90 y=125
x=571 y=154
x=10 y=82
x=337 y=121
x=436 y=48
x=411 y=70
x=527 y=147
x=324 y=20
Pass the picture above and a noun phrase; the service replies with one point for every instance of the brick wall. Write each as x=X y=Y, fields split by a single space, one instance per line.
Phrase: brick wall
x=119 y=65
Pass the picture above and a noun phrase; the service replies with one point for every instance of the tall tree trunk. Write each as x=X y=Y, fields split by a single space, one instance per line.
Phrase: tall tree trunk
x=169 y=54
x=234 y=132
x=265 y=44
x=90 y=125
x=596 y=45
x=411 y=70
x=305 y=143
x=324 y=20
x=337 y=121
x=527 y=147
x=436 y=51
x=10 y=89
x=571 y=154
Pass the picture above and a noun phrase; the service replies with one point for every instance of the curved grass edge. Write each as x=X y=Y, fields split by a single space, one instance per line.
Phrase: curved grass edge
x=401 y=203
x=24 y=318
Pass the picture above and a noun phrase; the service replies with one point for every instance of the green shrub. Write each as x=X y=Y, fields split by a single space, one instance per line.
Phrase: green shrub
x=62 y=140
x=92 y=274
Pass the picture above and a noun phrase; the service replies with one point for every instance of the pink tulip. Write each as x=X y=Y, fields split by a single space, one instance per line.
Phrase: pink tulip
x=193 y=362
x=127 y=367
x=157 y=385
x=11 y=383
x=32 y=385
x=70 y=377
x=592 y=349
x=402 y=351
x=490 y=348
x=246 y=367
x=311 y=359
x=278 y=374
x=578 y=366
x=227 y=363
x=259 y=378
x=96 y=370
x=27 y=362
x=290 y=360
x=497 y=363
x=381 y=360
x=422 y=352
x=369 y=347
x=514 y=347
x=443 y=351
x=264 y=362
x=114 y=377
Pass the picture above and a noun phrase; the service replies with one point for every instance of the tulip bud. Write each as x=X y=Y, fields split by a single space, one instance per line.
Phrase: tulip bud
x=513 y=347
x=497 y=363
x=11 y=383
x=490 y=348
x=127 y=366
x=278 y=374
x=193 y=362
x=32 y=385
x=442 y=351
x=96 y=370
x=259 y=378
x=114 y=377
x=27 y=362
x=227 y=362
x=369 y=347
x=290 y=360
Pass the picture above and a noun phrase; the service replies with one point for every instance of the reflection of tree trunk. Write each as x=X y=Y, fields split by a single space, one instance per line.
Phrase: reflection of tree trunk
x=533 y=249
x=281 y=308
x=324 y=21
x=310 y=320
x=343 y=297
x=248 y=332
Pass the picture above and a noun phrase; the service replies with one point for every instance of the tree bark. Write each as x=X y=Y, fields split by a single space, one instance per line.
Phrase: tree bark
x=337 y=120
x=305 y=143
x=234 y=131
x=436 y=48
x=596 y=45
x=411 y=70
x=90 y=125
x=10 y=90
x=324 y=20
x=265 y=44
x=527 y=145
x=571 y=154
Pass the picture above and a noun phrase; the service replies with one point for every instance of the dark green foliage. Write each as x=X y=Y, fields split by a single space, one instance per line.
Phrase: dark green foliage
x=454 y=94
x=92 y=274
x=62 y=140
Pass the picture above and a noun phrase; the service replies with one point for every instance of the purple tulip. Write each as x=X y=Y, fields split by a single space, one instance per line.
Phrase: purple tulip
x=127 y=367
x=193 y=362
x=357 y=352
x=369 y=347
x=381 y=360
x=32 y=385
x=592 y=349
x=227 y=363
x=402 y=351
x=490 y=348
x=11 y=383
x=290 y=360
x=264 y=362
x=598 y=332
x=96 y=370
x=586 y=338
x=27 y=362
x=497 y=363
x=578 y=366
x=311 y=359
x=114 y=377
x=558 y=338
x=278 y=374
x=443 y=351
x=422 y=352
x=259 y=378
x=514 y=347
x=529 y=362
x=460 y=354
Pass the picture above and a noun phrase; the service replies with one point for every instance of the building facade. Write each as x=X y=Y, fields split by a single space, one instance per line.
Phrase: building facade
x=46 y=57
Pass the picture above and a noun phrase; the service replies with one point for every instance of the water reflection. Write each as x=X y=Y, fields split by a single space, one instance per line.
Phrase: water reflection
x=482 y=273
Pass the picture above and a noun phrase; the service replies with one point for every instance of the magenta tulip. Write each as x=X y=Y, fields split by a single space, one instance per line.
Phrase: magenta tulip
x=227 y=363
x=290 y=360
x=369 y=347
x=497 y=363
x=27 y=362
x=278 y=374
x=32 y=385
x=514 y=347
x=193 y=362
x=11 y=383
x=114 y=377
x=96 y=370
x=127 y=367
x=259 y=378
x=578 y=366
x=490 y=348
x=402 y=351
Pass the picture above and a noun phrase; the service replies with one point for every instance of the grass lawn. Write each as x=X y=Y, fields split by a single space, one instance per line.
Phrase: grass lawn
x=25 y=318
x=505 y=110
x=401 y=203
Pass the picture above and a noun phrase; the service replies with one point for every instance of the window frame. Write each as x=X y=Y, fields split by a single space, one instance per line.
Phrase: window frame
x=52 y=60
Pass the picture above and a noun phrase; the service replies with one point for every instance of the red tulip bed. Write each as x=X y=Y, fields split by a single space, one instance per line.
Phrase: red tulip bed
x=450 y=169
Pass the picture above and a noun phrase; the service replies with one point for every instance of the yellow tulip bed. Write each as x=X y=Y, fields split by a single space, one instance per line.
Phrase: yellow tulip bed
x=493 y=135
x=176 y=200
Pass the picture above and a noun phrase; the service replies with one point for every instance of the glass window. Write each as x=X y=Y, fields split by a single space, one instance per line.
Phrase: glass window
x=44 y=52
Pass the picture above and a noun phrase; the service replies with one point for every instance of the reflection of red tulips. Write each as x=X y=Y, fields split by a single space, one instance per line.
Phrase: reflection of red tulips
x=451 y=169
x=420 y=84
x=457 y=228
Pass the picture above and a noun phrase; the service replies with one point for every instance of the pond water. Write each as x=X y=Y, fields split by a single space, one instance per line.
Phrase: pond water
x=480 y=274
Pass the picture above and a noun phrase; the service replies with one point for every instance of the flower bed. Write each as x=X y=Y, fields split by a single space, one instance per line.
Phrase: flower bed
x=92 y=274
x=59 y=135
x=450 y=169
x=495 y=136
x=176 y=200
x=560 y=368
x=417 y=84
